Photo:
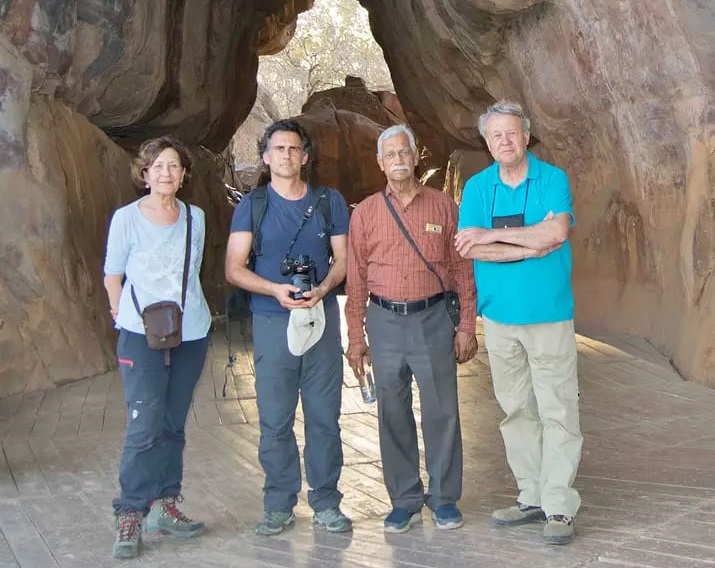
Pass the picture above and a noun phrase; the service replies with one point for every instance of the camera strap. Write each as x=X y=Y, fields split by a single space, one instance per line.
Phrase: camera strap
x=306 y=217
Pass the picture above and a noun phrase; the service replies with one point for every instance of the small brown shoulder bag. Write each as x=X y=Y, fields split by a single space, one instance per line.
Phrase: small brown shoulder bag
x=162 y=320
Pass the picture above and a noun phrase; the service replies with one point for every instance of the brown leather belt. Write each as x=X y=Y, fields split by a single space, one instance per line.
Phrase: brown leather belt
x=404 y=308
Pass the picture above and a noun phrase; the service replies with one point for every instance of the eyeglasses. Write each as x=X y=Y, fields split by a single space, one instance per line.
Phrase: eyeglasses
x=403 y=154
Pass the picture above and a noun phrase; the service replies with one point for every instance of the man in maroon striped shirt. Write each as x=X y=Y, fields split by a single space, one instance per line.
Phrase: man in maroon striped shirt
x=410 y=331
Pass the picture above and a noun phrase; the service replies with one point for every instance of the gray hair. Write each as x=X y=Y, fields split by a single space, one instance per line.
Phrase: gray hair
x=503 y=107
x=394 y=131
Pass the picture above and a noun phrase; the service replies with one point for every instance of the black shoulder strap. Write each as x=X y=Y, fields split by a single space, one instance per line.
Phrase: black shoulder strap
x=187 y=255
x=187 y=259
x=324 y=208
x=259 y=203
x=410 y=240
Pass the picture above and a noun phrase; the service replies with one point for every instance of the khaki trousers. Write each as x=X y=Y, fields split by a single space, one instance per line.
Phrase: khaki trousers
x=536 y=384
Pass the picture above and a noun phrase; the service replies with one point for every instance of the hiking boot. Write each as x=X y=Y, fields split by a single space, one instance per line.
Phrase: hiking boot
x=447 y=517
x=559 y=529
x=274 y=522
x=519 y=514
x=165 y=517
x=400 y=520
x=129 y=535
x=332 y=520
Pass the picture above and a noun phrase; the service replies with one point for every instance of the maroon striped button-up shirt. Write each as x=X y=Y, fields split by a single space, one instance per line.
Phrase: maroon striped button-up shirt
x=381 y=261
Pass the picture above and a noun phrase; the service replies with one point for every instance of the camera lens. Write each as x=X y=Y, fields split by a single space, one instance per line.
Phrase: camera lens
x=301 y=281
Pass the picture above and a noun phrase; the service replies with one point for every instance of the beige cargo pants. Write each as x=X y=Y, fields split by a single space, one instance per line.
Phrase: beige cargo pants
x=536 y=384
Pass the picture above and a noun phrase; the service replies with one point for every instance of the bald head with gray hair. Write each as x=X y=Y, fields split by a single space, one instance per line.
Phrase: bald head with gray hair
x=394 y=131
x=501 y=108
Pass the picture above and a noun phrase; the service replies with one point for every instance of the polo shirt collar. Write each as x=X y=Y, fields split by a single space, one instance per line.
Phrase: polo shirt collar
x=533 y=166
x=533 y=171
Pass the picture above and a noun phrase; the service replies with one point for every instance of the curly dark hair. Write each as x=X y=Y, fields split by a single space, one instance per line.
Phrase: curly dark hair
x=150 y=150
x=286 y=125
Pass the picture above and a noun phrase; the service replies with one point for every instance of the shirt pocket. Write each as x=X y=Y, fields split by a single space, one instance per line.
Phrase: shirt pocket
x=433 y=247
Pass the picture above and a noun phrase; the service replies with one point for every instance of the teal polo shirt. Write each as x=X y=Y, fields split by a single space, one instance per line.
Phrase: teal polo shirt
x=535 y=290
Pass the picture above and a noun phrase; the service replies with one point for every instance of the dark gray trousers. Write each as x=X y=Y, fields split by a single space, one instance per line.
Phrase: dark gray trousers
x=317 y=377
x=419 y=344
x=158 y=401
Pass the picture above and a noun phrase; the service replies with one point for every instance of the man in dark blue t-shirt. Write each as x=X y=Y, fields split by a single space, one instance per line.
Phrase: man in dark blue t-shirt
x=291 y=356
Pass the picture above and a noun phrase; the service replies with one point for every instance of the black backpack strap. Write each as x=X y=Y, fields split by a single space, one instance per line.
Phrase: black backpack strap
x=259 y=204
x=324 y=208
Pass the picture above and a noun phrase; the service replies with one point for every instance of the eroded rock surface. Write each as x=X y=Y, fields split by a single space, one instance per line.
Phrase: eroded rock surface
x=244 y=144
x=462 y=165
x=622 y=95
x=346 y=159
x=137 y=69
x=141 y=68
x=55 y=320
x=344 y=124
x=54 y=317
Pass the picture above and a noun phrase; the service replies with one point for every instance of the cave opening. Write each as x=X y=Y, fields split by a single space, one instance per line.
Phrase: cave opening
x=330 y=46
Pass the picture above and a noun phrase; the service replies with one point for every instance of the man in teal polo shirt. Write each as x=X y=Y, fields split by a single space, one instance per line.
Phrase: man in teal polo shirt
x=514 y=222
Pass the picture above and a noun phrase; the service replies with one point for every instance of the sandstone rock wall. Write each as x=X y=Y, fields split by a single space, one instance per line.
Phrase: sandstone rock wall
x=54 y=319
x=244 y=144
x=140 y=68
x=344 y=124
x=622 y=95
x=137 y=69
x=346 y=158
x=462 y=165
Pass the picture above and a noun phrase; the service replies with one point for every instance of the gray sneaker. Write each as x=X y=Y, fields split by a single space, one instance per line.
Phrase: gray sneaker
x=519 y=514
x=274 y=522
x=165 y=517
x=129 y=535
x=559 y=529
x=332 y=520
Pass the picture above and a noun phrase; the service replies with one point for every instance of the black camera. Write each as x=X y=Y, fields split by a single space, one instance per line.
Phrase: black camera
x=302 y=270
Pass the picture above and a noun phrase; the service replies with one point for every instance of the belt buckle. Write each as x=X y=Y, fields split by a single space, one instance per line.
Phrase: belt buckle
x=399 y=308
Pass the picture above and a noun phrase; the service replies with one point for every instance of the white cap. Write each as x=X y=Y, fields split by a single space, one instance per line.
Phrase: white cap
x=305 y=328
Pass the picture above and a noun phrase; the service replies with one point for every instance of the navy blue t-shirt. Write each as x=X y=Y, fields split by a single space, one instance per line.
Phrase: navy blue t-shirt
x=279 y=226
